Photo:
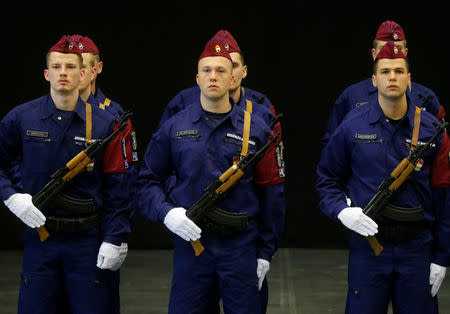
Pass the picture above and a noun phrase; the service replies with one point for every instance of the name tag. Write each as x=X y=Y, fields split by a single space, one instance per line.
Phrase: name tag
x=365 y=136
x=37 y=133
x=185 y=133
x=239 y=138
x=81 y=141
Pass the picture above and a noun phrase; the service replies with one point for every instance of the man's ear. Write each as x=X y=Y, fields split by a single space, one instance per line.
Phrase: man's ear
x=46 y=74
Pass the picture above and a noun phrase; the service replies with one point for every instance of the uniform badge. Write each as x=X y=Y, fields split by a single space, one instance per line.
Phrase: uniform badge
x=133 y=141
x=395 y=36
x=395 y=50
x=124 y=148
x=217 y=48
x=419 y=165
x=227 y=47
x=125 y=163
x=280 y=160
x=90 y=166
x=135 y=156
x=70 y=46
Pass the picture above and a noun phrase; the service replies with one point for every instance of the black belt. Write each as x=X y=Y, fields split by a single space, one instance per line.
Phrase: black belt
x=58 y=224
x=402 y=231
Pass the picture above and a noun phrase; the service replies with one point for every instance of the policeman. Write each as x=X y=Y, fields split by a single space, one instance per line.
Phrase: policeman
x=199 y=144
x=360 y=93
x=83 y=249
x=364 y=149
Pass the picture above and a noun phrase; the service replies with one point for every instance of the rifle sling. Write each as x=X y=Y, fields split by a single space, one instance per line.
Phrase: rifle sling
x=246 y=130
x=88 y=123
x=415 y=133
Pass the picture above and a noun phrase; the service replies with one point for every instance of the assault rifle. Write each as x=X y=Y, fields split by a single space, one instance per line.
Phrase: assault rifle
x=64 y=175
x=216 y=191
x=391 y=184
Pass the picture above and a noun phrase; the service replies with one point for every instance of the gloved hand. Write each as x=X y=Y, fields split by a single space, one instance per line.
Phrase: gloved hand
x=261 y=269
x=22 y=206
x=177 y=222
x=109 y=256
x=122 y=254
x=437 y=275
x=348 y=200
x=354 y=219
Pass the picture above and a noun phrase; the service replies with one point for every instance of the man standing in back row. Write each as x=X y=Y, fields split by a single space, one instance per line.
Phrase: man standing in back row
x=361 y=93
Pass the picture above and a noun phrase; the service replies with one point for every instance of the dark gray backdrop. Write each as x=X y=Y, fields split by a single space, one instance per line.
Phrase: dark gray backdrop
x=301 y=56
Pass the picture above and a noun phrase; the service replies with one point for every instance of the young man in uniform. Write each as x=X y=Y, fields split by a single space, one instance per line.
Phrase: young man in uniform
x=243 y=97
x=198 y=144
x=360 y=93
x=365 y=148
x=83 y=248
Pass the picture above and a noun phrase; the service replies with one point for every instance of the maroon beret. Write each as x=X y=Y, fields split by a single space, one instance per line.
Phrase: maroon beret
x=215 y=49
x=68 y=44
x=390 y=51
x=390 y=31
x=88 y=45
x=228 y=40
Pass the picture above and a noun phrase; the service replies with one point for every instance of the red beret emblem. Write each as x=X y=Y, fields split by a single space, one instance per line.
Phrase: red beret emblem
x=395 y=36
x=70 y=46
x=395 y=50
x=217 y=48
x=80 y=46
x=227 y=47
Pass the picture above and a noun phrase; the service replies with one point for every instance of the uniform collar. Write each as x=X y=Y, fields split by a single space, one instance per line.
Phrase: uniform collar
x=92 y=100
x=99 y=96
x=198 y=113
x=49 y=108
x=376 y=113
x=242 y=103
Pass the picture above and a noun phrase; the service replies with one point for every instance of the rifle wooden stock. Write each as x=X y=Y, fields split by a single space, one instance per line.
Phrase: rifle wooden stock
x=376 y=246
x=198 y=247
x=43 y=233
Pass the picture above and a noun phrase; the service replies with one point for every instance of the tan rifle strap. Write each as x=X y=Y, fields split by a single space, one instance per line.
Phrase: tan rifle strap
x=88 y=123
x=415 y=133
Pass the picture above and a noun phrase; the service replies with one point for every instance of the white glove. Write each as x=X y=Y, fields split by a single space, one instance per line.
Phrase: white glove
x=437 y=275
x=354 y=219
x=177 y=222
x=109 y=256
x=122 y=254
x=261 y=269
x=22 y=206
x=349 y=201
